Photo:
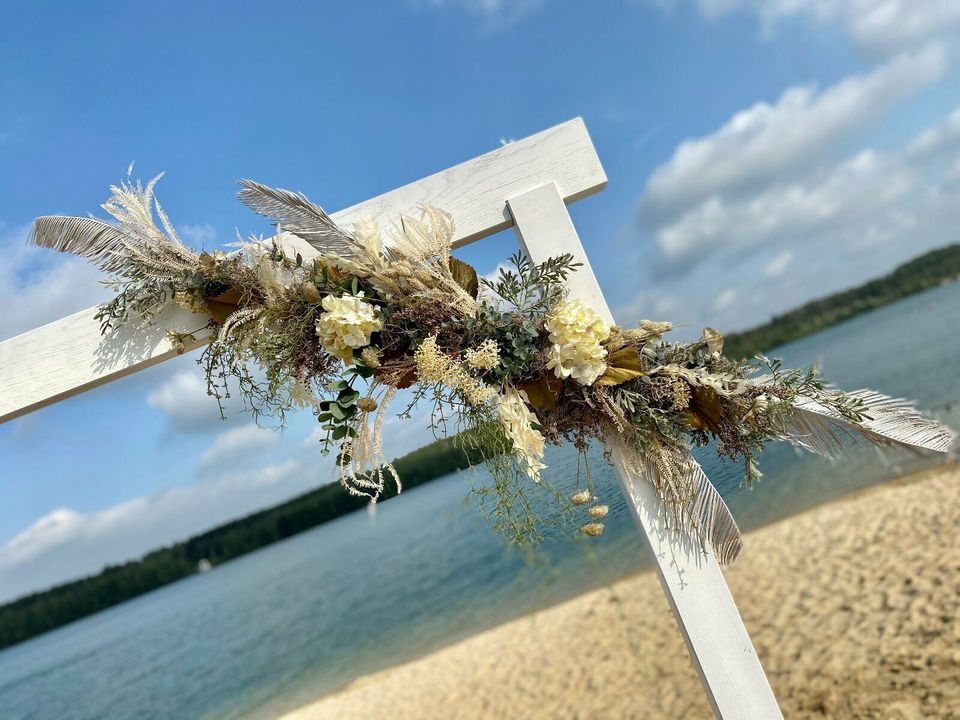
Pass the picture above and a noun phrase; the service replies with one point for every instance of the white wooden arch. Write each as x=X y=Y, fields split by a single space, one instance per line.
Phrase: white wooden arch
x=527 y=185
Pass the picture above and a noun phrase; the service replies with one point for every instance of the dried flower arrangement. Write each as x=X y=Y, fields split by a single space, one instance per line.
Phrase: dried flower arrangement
x=513 y=361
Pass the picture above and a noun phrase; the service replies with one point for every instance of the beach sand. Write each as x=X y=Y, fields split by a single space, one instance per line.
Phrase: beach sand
x=852 y=607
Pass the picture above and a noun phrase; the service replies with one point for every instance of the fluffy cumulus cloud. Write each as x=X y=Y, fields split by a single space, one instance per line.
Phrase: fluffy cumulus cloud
x=788 y=211
x=778 y=264
x=831 y=227
x=198 y=236
x=774 y=141
x=784 y=201
x=237 y=445
x=883 y=25
x=65 y=543
x=184 y=400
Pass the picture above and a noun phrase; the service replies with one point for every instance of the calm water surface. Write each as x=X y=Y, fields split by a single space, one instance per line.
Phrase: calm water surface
x=280 y=627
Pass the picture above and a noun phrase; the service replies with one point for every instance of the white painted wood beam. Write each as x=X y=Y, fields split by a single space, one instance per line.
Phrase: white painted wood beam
x=714 y=633
x=69 y=356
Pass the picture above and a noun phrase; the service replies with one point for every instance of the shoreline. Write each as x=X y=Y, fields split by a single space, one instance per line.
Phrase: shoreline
x=852 y=607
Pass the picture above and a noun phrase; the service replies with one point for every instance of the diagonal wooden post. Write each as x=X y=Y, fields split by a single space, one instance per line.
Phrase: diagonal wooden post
x=711 y=626
x=526 y=185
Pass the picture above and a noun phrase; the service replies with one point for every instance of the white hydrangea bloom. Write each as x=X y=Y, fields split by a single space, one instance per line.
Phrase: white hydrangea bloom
x=577 y=335
x=367 y=232
x=517 y=421
x=346 y=324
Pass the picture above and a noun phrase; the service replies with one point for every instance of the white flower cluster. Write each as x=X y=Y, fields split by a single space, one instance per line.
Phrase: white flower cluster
x=577 y=335
x=518 y=421
x=484 y=357
x=434 y=366
x=346 y=324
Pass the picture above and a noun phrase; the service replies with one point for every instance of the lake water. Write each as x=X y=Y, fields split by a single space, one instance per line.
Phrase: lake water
x=283 y=626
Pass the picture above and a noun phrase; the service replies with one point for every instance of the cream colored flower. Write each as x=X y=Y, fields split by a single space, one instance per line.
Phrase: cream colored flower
x=433 y=366
x=518 y=421
x=346 y=324
x=367 y=233
x=577 y=335
x=484 y=357
x=370 y=357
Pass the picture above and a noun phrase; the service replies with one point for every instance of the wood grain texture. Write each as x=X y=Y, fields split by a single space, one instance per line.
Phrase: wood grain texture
x=692 y=580
x=69 y=356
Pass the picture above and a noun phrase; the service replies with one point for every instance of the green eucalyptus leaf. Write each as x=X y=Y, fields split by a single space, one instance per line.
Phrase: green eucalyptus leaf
x=348 y=393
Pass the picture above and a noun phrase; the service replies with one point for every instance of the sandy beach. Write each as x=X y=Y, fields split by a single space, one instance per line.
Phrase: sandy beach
x=852 y=607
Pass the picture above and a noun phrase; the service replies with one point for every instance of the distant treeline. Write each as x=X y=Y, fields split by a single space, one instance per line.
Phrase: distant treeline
x=921 y=273
x=43 y=611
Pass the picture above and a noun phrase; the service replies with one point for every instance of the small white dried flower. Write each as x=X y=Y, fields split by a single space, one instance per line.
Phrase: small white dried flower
x=655 y=328
x=484 y=357
x=593 y=529
x=581 y=497
x=598 y=512
x=367 y=404
x=302 y=396
x=370 y=357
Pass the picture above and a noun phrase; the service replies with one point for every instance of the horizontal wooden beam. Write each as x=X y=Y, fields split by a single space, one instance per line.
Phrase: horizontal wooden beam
x=69 y=356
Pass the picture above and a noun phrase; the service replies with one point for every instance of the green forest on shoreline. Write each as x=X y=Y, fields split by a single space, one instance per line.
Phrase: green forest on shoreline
x=43 y=611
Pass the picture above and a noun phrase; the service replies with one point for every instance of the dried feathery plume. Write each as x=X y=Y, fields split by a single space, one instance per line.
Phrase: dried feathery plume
x=363 y=469
x=237 y=320
x=135 y=249
x=886 y=421
x=687 y=494
x=296 y=214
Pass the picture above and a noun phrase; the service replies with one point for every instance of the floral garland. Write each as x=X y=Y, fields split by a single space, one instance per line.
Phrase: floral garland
x=513 y=363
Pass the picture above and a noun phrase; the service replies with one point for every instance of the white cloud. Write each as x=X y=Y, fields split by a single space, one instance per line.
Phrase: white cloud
x=725 y=299
x=936 y=140
x=786 y=212
x=197 y=236
x=67 y=544
x=766 y=142
x=183 y=399
x=827 y=229
x=778 y=265
x=494 y=13
x=238 y=444
x=883 y=25
x=38 y=286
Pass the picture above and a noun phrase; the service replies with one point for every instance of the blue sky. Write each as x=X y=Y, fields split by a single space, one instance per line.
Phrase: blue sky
x=759 y=152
